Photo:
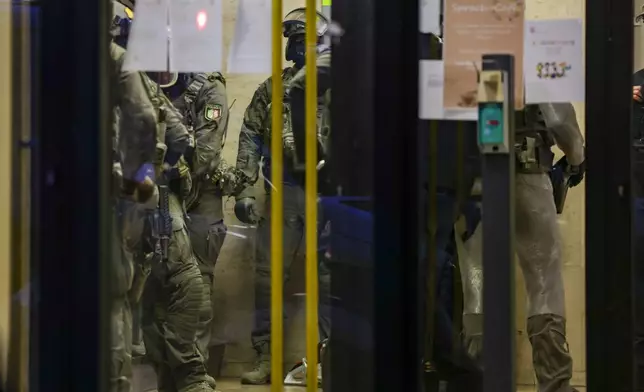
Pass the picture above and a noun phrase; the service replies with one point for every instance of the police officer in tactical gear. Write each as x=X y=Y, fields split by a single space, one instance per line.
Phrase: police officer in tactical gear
x=134 y=142
x=538 y=241
x=174 y=296
x=254 y=142
x=201 y=99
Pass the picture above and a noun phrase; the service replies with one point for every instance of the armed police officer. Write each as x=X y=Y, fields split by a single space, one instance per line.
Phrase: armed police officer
x=201 y=98
x=134 y=142
x=538 y=240
x=254 y=142
x=172 y=289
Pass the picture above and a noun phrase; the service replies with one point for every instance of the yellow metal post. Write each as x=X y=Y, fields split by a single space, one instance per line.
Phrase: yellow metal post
x=277 y=209
x=311 y=199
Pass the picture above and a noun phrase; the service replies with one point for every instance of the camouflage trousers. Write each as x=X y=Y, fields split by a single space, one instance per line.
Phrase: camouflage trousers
x=121 y=346
x=207 y=233
x=294 y=249
x=121 y=315
x=175 y=305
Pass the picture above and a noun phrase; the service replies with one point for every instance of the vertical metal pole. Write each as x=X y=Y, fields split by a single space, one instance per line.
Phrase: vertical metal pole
x=609 y=274
x=20 y=30
x=277 y=208
x=498 y=249
x=311 y=195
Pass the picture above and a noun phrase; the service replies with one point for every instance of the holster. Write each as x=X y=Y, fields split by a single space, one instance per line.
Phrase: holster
x=560 y=185
x=533 y=144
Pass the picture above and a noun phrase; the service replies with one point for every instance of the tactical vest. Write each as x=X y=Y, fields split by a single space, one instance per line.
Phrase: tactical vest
x=192 y=90
x=533 y=141
x=189 y=96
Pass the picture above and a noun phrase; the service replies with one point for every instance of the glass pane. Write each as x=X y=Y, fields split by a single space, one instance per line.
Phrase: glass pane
x=215 y=282
x=638 y=189
x=197 y=234
x=549 y=327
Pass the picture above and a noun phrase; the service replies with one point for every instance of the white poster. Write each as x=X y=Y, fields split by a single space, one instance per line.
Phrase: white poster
x=250 y=51
x=553 y=61
x=196 y=35
x=430 y=99
x=147 y=48
x=430 y=16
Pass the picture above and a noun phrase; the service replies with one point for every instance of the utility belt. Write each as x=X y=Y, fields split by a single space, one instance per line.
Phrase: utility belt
x=533 y=151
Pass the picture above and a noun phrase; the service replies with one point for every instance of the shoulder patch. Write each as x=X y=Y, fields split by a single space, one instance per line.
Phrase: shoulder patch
x=212 y=112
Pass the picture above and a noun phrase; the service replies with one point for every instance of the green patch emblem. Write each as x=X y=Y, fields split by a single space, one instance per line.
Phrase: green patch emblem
x=213 y=112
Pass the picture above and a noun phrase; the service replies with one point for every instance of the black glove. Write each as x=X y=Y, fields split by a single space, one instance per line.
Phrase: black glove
x=245 y=210
x=575 y=172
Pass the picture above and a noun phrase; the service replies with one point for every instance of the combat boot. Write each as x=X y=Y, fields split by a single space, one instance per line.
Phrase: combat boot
x=473 y=335
x=204 y=386
x=550 y=356
x=261 y=373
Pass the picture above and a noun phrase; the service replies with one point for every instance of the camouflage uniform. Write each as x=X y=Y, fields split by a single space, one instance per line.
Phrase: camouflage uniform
x=133 y=144
x=204 y=105
x=173 y=300
x=254 y=142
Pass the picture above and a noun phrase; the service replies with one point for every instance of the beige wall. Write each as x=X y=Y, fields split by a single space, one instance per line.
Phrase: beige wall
x=5 y=177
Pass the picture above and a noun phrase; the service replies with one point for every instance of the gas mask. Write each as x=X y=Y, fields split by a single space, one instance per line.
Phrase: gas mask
x=293 y=28
x=296 y=50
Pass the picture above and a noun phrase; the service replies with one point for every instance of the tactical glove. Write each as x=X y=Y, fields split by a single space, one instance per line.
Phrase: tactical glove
x=245 y=210
x=575 y=172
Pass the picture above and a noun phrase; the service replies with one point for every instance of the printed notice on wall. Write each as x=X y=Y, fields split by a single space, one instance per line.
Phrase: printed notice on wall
x=474 y=28
x=553 y=62
x=430 y=94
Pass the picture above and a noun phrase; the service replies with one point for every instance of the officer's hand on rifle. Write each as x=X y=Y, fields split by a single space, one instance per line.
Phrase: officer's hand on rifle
x=245 y=210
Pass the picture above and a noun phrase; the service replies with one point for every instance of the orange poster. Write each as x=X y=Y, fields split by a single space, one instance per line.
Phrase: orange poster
x=473 y=28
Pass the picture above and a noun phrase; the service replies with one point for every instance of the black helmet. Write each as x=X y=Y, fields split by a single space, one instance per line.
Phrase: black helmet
x=295 y=22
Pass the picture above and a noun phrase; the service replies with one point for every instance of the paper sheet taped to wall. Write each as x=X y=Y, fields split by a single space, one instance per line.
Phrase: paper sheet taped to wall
x=250 y=51
x=177 y=35
x=430 y=99
x=196 y=35
x=148 y=41
x=554 y=62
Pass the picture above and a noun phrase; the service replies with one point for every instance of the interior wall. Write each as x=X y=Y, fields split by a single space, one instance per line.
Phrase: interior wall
x=5 y=175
